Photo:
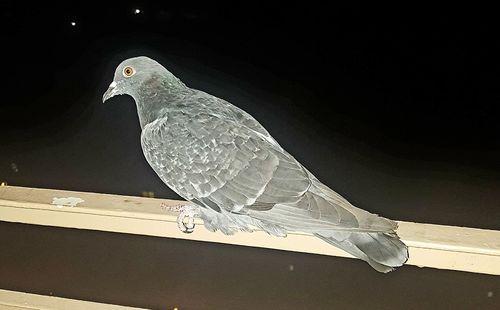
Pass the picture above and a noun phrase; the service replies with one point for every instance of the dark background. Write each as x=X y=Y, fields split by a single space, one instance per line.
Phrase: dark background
x=395 y=108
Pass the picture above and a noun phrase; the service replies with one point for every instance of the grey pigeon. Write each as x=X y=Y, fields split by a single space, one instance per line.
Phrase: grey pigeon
x=235 y=176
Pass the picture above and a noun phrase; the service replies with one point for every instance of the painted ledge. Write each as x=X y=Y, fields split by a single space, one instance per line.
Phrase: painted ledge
x=10 y=300
x=435 y=246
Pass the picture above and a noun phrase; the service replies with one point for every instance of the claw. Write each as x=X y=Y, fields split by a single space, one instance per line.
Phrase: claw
x=185 y=219
x=187 y=213
x=186 y=226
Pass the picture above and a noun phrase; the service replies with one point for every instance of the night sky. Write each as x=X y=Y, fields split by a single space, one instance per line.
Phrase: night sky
x=395 y=108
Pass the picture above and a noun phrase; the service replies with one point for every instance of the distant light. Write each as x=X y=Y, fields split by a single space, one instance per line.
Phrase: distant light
x=137 y=11
x=73 y=24
x=148 y=194
x=14 y=167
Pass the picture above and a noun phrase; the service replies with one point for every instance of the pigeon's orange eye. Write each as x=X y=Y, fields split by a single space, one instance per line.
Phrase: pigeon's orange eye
x=128 y=71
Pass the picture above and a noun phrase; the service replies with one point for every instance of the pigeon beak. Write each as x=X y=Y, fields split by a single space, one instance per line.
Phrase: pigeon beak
x=110 y=92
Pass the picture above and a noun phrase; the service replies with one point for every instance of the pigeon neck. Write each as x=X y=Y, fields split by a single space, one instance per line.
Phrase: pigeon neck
x=154 y=96
x=146 y=115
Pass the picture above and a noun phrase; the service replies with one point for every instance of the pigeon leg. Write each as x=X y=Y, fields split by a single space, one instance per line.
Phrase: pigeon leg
x=185 y=219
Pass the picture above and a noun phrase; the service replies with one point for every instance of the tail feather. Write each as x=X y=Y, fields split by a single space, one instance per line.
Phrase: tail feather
x=383 y=251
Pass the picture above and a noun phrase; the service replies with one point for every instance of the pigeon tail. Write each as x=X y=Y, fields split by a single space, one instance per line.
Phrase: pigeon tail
x=383 y=251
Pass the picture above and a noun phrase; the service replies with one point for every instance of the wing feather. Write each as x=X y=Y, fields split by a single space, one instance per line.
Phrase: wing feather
x=222 y=161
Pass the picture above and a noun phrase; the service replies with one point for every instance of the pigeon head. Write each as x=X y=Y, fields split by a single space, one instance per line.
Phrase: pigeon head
x=140 y=77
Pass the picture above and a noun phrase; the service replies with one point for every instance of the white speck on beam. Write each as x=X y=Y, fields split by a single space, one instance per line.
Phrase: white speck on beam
x=66 y=202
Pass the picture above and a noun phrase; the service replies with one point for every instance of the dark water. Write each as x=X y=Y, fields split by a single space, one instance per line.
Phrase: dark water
x=396 y=111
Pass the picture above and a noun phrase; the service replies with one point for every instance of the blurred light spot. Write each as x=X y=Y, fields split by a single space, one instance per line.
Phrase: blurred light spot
x=190 y=16
x=148 y=194
x=14 y=167
x=490 y=294
x=73 y=24
x=137 y=11
x=291 y=267
x=3 y=184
